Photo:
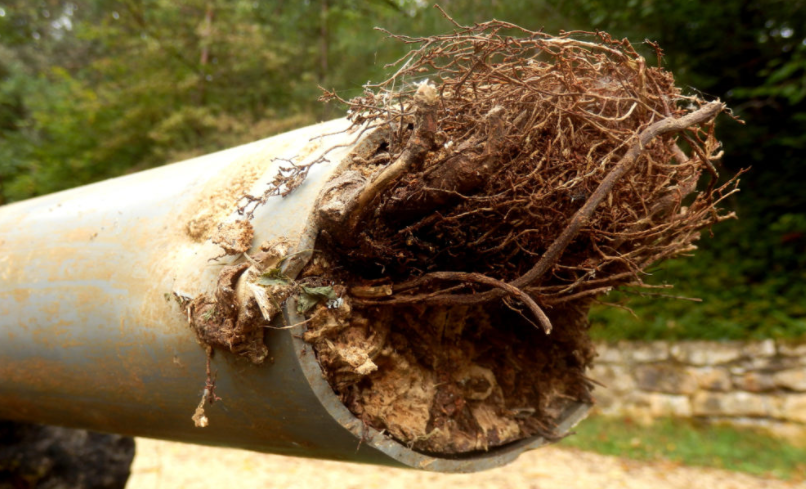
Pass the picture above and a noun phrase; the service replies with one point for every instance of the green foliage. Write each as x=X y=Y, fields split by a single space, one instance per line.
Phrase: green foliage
x=91 y=90
x=311 y=296
x=687 y=443
x=273 y=276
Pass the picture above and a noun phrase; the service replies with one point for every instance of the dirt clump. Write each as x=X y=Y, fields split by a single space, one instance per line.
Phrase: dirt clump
x=248 y=296
x=234 y=236
x=221 y=321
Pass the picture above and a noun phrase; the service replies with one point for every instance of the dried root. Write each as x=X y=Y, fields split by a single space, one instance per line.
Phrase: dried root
x=537 y=173
x=558 y=166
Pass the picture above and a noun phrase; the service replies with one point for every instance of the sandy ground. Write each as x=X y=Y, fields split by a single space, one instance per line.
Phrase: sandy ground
x=164 y=465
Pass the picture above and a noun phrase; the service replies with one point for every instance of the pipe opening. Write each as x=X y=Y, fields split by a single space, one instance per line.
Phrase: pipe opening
x=448 y=380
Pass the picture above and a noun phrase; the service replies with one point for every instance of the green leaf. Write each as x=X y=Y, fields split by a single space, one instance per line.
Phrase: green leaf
x=273 y=276
x=311 y=296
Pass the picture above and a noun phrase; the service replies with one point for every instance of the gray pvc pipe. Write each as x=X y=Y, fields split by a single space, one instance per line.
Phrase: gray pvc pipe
x=91 y=338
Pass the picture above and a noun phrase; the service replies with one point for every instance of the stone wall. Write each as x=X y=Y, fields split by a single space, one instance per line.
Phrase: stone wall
x=759 y=384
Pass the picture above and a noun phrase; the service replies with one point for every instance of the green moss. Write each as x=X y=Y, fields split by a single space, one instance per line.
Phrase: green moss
x=685 y=442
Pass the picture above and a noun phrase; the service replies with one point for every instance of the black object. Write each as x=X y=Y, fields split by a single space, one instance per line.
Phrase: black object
x=50 y=457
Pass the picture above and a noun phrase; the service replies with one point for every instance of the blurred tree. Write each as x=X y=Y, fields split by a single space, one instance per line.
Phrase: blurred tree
x=92 y=89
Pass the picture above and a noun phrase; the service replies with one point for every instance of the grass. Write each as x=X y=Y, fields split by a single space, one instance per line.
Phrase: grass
x=687 y=443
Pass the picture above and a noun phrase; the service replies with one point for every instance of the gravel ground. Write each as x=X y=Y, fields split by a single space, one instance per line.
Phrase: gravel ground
x=164 y=465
